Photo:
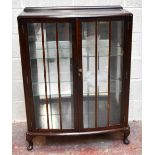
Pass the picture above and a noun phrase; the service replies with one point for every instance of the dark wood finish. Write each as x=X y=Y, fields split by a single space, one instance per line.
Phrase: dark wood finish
x=80 y=78
x=26 y=72
x=44 y=64
x=127 y=55
x=58 y=68
x=75 y=16
x=72 y=12
x=75 y=73
x=126 y=77
x=109 y=73
x=96 y=69
x=29 y=138
x=28 y=9
x=111 y=129
x=126 y=134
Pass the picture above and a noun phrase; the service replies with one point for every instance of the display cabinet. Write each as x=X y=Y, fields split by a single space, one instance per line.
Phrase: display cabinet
x=76 y=70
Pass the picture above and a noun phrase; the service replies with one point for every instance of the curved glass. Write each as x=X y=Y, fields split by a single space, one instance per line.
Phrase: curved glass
x=116 y=66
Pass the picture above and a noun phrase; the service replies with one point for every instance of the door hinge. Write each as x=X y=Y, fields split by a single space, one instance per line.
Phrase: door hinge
x=27 y=79
x=22 y=28
x=124 y=118
x=126 y=75
x=128 y=25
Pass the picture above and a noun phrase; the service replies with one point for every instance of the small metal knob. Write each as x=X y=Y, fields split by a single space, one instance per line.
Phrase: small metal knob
x=80 y=70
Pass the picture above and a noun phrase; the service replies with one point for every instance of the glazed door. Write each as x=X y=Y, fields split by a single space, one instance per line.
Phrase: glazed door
x=102 y=53
x=51 y=60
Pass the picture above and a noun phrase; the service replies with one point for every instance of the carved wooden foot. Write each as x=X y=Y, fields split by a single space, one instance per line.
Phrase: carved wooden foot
x=30 y=146
x=29 y=139
x=126 y=134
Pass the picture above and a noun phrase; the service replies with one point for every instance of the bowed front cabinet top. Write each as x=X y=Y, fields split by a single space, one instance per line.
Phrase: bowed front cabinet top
x=76 y=70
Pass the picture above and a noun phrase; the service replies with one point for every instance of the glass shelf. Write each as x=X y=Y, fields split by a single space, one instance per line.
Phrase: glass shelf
x=52 y=89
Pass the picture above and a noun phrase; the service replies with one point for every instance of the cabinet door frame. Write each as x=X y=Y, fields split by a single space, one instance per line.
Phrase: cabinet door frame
x=126 y=68
x=26 y=70
x=125 y=73
x=77 y=59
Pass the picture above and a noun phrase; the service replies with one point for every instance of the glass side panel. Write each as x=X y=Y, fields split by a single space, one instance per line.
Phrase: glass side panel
x=88 y=66
x=37 y=74
x=116 y=71
x=60 y=103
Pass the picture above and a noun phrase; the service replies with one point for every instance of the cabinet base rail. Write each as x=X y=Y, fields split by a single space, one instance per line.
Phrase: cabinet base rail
x=31 y=135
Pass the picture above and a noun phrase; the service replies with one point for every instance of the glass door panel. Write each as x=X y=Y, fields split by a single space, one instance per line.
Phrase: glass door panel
x=50 y=48
x=102 y=73
x=88 y=65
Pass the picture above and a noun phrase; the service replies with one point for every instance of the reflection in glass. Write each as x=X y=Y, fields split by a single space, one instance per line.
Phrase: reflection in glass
x=37 y=74
x=52 y=64
x=102 y=72
x=88 y=65
x=103 y=69
x=116 y=72
x=66 y=78
x=88 y=62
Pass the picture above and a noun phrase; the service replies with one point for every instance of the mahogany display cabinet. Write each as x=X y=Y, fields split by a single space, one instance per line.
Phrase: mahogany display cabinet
x=76 y=70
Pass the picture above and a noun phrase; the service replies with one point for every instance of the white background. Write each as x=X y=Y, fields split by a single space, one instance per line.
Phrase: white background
x=148 y=73
x=134 y=6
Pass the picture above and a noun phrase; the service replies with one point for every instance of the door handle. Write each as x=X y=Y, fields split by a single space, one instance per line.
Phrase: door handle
x=79 y=71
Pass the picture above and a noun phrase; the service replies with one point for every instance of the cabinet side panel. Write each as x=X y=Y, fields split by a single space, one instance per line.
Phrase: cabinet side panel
x=22 y=28
x=126 y=68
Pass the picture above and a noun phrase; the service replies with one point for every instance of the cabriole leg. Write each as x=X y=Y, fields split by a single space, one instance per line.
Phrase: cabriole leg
x=30 y=146
x=29 y=139
x=126 y=134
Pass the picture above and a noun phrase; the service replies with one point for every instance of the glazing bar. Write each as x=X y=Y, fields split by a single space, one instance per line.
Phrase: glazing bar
x=96 y=68
x=58 y=68
x=109 y=73
x=44 y=63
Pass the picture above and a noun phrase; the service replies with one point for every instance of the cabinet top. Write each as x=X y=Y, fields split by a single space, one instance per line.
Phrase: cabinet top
x=74 y=11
